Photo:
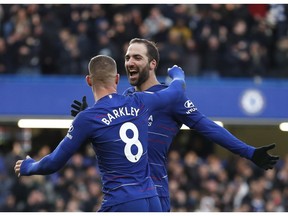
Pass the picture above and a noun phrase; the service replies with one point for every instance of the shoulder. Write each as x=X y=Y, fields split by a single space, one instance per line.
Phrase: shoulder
x=82 y=116
x=129 y=91
x=156 y=88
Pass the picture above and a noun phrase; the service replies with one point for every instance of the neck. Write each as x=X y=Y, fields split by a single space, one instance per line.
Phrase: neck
x=152 y=81
x=101 y=91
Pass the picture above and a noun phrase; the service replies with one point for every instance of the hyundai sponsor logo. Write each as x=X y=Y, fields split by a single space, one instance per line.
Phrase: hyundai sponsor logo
x=188 y=104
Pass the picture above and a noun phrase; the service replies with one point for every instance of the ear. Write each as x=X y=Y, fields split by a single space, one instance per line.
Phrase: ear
x=117 y=78
x=153 y=64
x=88 y=80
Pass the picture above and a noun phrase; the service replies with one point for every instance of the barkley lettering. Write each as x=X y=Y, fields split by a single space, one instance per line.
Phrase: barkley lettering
x=122 y=111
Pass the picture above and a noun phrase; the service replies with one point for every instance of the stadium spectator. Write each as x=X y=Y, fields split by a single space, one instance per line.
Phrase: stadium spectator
x=5 y=60
x=258 y=60
x=211 y=53
x=171 y=51
x=156 y=25
x=281 y=58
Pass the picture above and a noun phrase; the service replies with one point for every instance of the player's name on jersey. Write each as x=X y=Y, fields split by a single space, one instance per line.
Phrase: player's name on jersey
x=119 y=112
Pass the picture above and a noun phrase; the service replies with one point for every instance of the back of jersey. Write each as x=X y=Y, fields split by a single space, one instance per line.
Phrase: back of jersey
x=119 y=128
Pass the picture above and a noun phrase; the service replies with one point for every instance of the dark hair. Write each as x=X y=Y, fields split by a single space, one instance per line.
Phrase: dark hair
x=152 y=50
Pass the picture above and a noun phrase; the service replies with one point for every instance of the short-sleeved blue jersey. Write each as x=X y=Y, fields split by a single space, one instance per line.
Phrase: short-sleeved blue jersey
x=117 y=127
x=164 y=124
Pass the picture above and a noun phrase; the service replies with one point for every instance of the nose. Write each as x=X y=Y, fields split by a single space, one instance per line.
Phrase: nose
x=129 y=62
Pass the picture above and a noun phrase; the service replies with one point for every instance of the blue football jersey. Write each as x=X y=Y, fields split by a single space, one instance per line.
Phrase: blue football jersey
x=164 y=124
x=117 y=128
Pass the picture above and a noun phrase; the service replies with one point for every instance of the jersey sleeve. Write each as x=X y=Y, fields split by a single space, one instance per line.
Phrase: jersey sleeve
x=224 y=138
x=67 y=147
x=162 y=98
x=187 y=113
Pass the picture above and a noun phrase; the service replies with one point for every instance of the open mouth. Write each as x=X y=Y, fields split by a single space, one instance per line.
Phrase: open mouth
x=133 y=74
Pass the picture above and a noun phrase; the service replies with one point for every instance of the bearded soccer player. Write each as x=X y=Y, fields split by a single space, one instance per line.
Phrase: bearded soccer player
x=164 y=124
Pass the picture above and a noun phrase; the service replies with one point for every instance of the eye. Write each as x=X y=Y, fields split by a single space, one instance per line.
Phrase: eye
x=138 y=57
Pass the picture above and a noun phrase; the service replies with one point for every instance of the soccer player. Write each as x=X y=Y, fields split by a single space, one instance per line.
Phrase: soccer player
x=117 y=126
x=164 y=124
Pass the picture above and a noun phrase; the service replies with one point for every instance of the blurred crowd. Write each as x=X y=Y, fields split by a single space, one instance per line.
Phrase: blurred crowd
x=198 y=181
x=214 y=40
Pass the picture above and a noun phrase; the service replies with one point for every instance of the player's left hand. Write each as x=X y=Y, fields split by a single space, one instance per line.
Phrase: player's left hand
x=264 y=160
x=78 y=106
x=18 y=166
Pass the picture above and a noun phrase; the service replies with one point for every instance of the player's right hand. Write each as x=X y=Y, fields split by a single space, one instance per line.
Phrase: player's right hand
x=176 y=72
x=77 y=106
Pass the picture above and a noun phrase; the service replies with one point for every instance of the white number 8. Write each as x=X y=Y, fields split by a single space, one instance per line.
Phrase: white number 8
x=131 y=141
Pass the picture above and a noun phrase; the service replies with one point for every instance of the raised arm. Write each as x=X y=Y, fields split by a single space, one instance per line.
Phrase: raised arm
x=160 y=99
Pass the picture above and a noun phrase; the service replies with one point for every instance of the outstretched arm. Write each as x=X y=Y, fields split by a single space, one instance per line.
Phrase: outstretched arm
x=47 y=165
x=223 y=137
x=188 y=114
x=58 y=158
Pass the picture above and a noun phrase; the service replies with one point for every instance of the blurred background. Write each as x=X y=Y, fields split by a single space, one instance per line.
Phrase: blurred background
x=235 y=57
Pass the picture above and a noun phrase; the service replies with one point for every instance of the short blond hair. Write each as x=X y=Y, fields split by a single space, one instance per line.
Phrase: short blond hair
x=102 y=68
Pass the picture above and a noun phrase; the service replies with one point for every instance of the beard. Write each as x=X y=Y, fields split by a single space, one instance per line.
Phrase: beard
x=143 y=76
